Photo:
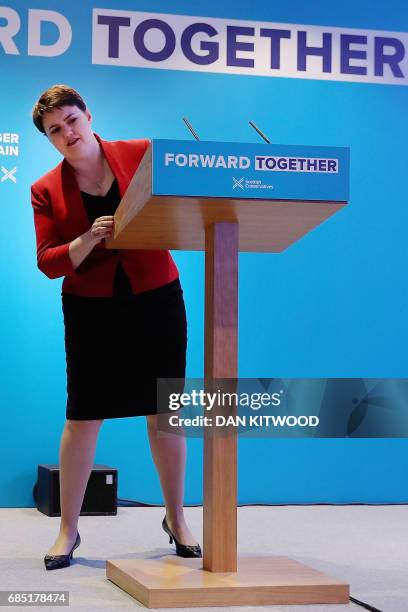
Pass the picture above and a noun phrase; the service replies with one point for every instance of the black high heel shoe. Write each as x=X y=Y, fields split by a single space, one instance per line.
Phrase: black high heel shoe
x=53 y=562
x=183 y=550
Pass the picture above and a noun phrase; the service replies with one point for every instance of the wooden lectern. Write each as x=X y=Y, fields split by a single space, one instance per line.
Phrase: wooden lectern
x=222 y=226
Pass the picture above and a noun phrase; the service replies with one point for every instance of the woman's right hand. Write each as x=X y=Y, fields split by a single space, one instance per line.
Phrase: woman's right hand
x=102 y=228
x=80 y=248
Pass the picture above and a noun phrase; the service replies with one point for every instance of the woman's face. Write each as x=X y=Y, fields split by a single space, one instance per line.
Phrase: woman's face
x=69 y=130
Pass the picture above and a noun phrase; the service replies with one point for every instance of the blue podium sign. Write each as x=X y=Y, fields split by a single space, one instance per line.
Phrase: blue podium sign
x=249 y=171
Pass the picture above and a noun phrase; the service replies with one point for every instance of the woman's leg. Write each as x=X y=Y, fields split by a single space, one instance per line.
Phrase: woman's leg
x=77 y=453
x=169 y=455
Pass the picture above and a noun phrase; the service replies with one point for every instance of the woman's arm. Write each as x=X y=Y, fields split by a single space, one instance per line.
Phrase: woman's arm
x=54 y=258
x=52 y=255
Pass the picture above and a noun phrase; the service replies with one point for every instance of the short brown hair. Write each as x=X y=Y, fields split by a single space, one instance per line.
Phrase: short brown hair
x=54 y=97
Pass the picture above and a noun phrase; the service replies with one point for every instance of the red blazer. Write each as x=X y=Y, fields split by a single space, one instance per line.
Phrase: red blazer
x=60 y=217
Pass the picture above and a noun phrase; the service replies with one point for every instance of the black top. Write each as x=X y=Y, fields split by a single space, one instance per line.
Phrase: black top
x=99 y=206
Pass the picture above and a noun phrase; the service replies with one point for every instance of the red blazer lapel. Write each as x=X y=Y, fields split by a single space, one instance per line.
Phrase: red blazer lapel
x=75 y=212
x=114 y=164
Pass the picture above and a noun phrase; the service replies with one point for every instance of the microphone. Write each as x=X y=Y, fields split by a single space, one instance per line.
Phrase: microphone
x=190 y=127
x=252 y=124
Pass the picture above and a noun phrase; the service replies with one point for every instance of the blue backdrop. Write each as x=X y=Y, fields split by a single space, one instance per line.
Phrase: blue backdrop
x=333 y=305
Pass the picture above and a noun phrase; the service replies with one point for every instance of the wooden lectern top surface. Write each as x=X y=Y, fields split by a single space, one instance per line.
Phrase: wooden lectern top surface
x=148 y=220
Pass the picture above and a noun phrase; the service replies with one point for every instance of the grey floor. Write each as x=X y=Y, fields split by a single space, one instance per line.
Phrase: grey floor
x=366 y=546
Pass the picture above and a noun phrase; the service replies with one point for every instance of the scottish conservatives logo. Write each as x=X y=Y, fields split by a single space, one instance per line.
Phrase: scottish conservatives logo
x=8 y=174
x=244 y=183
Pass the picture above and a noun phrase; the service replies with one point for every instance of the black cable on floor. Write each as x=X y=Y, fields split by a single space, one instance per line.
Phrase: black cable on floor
x=365 y=605
x=131 y=503
x=136 y=503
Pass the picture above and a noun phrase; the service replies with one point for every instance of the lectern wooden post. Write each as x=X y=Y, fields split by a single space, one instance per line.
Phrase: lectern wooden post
x=150 y=218
x=220 y=361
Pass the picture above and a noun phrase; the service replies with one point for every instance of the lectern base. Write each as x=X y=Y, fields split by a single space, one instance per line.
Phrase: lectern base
x=173 y=582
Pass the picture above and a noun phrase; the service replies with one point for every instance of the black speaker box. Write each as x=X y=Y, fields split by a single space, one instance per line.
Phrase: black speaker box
x=100 y=495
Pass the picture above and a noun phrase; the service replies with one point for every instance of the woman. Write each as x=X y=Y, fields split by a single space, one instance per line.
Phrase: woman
x=124 y=314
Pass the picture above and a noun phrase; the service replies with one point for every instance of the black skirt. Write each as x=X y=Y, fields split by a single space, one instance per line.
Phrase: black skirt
x=117 y=347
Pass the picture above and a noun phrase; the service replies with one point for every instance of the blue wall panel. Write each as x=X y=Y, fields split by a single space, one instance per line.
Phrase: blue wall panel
x=333 y=305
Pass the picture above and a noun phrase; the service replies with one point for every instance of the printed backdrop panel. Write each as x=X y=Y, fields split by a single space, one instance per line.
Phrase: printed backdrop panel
x=333 y=305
